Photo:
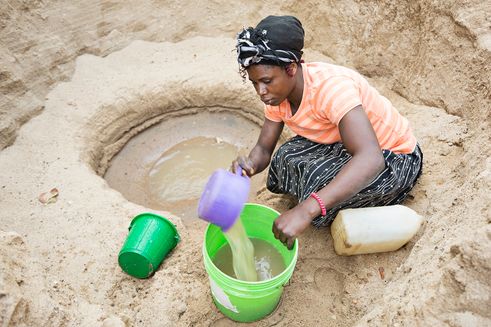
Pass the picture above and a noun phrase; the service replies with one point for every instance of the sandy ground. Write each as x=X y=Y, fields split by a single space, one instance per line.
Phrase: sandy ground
x=58 y=262
x=61 y=263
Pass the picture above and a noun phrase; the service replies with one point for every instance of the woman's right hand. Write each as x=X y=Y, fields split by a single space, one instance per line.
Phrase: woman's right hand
x=245 y=164
x=260 y=155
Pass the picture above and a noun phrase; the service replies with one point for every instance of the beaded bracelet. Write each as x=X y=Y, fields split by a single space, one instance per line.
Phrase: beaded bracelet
x=321 y=203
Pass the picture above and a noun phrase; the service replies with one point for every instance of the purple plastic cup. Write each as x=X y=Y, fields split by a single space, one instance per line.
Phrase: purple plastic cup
x=223 y=198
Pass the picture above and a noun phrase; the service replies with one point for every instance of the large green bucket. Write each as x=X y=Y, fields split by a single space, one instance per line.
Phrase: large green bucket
x=240 y=300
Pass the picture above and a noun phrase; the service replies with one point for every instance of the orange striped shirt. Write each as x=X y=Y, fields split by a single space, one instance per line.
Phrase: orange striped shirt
x=330 y=91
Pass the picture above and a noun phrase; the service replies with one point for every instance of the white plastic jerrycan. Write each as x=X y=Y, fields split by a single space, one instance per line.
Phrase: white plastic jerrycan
x=376 y=229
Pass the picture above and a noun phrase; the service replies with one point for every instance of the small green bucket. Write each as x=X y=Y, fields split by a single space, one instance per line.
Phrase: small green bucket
x=151 y=237
x=241 y=300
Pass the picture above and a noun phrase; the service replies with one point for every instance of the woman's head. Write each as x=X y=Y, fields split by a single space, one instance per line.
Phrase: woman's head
x=270 y=54
x=276 y=40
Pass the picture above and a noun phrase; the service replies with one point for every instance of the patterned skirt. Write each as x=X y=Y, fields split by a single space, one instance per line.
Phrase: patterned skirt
x=301 y=167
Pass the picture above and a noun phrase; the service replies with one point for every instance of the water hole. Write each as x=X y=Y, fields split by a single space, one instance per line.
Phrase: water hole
x=166 y=166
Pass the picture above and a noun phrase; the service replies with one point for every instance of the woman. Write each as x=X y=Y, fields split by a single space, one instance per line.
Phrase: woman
x=352 y=149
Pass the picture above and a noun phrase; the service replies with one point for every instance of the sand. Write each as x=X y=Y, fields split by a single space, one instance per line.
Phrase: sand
x=58 y=261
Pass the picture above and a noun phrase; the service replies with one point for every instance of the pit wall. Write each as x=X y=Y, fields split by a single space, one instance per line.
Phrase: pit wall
x=430 y=52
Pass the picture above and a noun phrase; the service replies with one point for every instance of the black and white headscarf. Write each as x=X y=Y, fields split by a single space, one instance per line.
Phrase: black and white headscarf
x=252 y=48
x=276 y=40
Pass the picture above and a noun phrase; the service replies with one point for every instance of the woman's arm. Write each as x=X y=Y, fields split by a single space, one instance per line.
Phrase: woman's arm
x=260 y=155
x=367 y=162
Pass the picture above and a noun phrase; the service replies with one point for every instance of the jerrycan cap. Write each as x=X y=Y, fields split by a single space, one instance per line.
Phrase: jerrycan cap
x=223 y=198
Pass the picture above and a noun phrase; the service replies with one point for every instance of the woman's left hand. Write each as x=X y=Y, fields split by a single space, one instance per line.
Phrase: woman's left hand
x=289 y=225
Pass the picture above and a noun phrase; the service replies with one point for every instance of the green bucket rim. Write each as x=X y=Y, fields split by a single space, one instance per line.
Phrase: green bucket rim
x=275 y=281
x=154 y=215
x=150 y=271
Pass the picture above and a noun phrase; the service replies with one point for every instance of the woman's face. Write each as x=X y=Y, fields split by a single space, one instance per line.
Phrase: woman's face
x=272 y=83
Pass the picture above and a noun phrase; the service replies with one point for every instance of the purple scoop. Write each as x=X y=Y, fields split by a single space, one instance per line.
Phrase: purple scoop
x=223 y=198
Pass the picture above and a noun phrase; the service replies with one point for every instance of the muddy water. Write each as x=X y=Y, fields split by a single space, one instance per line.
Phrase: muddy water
x=268 y=261
x=242 y=253
x=165 y=166
x=182 y=171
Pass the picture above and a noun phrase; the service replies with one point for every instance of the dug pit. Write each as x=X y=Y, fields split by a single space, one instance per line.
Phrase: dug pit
x=166 y=166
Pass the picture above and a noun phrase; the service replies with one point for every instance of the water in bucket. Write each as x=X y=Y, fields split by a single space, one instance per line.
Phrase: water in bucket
x=241 y=251
x=267 y=260
x=246 y=259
